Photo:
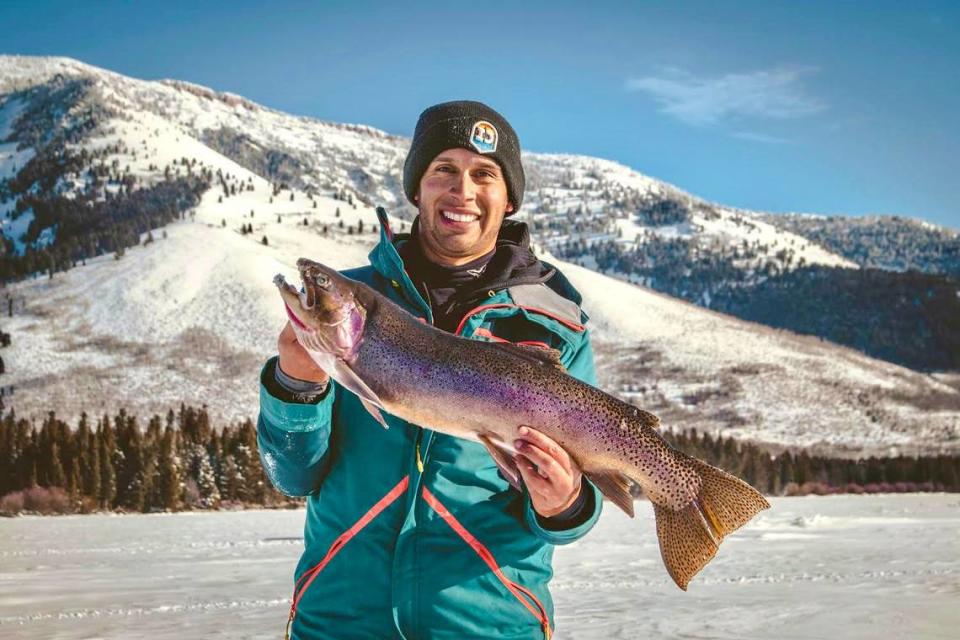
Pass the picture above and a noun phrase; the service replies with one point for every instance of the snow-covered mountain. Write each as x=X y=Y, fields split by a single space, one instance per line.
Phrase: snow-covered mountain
x=188 y=314
x=364 y=163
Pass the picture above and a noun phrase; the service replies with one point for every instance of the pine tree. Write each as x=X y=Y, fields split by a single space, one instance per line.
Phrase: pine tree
x=55 y=475
x=206 y=481
x=231 y=480
x=171 y=476
x=74 y=483
x=248 y=464
x=90 y=462
x=131 y=489
x=8 y=454
x=108 y=449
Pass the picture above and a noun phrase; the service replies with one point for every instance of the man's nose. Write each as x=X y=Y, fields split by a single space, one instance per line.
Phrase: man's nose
x=463 y=186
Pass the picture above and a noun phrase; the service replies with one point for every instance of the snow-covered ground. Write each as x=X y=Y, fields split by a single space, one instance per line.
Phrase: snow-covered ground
x=845 y=567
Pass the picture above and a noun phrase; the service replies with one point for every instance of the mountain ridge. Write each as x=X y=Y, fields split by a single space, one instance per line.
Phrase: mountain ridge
x=148 y=320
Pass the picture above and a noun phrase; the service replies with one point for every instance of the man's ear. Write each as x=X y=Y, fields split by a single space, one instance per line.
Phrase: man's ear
x=509 y=208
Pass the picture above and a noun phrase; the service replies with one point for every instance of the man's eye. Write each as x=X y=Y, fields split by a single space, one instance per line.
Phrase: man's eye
x=445 y=168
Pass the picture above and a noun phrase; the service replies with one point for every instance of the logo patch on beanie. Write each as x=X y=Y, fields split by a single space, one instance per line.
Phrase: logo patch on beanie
x=483 y=137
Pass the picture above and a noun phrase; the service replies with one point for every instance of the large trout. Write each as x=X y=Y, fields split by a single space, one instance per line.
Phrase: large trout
x=485 y=391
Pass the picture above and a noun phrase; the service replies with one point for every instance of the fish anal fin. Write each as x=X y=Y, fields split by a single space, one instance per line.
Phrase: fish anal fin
x=504 y=461
x=531 y=353
x=615 y=486
x=689 y=537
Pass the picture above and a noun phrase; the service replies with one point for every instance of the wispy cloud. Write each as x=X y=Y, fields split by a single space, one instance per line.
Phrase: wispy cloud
x=701 y=101
x=760 y=137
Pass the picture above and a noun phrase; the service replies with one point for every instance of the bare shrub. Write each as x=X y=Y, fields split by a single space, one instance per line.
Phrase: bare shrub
x=47 y=500
x=12 y=503
x=41 y=500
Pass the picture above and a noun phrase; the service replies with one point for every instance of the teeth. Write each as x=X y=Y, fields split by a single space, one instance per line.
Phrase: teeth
x=458 y=217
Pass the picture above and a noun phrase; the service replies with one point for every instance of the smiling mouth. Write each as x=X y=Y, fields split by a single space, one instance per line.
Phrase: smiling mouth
x=458 y=217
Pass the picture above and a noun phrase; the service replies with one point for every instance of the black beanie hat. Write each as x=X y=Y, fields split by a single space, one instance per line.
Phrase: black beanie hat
x=468 y=125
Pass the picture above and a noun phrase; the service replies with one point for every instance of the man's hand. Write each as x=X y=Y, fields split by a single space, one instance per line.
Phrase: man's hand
x=294 y=359
x=552 y=478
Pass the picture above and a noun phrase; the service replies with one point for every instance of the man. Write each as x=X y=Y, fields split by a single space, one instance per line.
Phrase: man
x=411 y=533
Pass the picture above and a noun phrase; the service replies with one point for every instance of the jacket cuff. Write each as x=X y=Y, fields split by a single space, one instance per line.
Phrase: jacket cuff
x=573 y=533
x=574 y=515
x=288 y=413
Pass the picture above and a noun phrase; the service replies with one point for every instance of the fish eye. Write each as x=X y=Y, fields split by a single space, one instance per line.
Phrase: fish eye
x=322 y=280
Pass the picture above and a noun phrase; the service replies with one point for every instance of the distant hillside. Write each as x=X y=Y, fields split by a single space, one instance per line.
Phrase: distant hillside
x=881 y=242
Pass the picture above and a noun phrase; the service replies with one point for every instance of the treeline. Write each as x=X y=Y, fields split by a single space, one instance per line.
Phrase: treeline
x=83 y=203
x=182 y=462
x=801 y=473
x=909 y=318
x=174 y=463
x=881 y=242
x=86 y=227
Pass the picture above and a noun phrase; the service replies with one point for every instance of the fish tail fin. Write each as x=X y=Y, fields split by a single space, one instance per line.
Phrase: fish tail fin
x=690 y=537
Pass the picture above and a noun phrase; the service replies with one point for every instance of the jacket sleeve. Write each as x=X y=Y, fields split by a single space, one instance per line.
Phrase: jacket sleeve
x=293 y=437
x=581 y=367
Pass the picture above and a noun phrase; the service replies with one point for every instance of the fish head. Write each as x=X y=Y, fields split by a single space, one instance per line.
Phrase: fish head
x=326 y=313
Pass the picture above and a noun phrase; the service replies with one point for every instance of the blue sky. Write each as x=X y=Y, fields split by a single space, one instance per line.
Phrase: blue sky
x=826 y=107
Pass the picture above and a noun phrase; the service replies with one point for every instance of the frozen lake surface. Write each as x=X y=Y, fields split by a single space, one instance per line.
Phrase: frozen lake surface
x=842 y=567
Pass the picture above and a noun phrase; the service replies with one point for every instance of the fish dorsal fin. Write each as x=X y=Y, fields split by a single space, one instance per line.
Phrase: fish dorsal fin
x=530 y=353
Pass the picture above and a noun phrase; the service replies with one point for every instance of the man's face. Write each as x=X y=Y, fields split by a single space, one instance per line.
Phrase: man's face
x=462 y=201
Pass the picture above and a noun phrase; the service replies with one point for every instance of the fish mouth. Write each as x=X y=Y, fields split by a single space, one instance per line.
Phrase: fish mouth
x=294 y=319
x=301 y=296
x=288 y=292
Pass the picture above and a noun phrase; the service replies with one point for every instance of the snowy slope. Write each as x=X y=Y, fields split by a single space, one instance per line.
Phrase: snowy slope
x=191 y=317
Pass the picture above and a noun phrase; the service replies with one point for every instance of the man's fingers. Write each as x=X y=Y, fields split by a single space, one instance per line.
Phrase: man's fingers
x=547 y=445
x=535 y=482
x=294 y=359
x=545 y=465
x=544 y=451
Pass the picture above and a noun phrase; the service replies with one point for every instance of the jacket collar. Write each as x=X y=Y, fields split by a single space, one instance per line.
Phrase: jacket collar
x=385 y=259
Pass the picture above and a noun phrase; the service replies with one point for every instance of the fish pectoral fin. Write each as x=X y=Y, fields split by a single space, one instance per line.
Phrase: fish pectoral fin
x=614 y=486
x=538 y=355
x=375 y=412
x=346 y=376
x=504 y=460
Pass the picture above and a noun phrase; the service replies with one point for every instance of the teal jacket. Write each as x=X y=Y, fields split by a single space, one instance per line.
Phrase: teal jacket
x=411 y=533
